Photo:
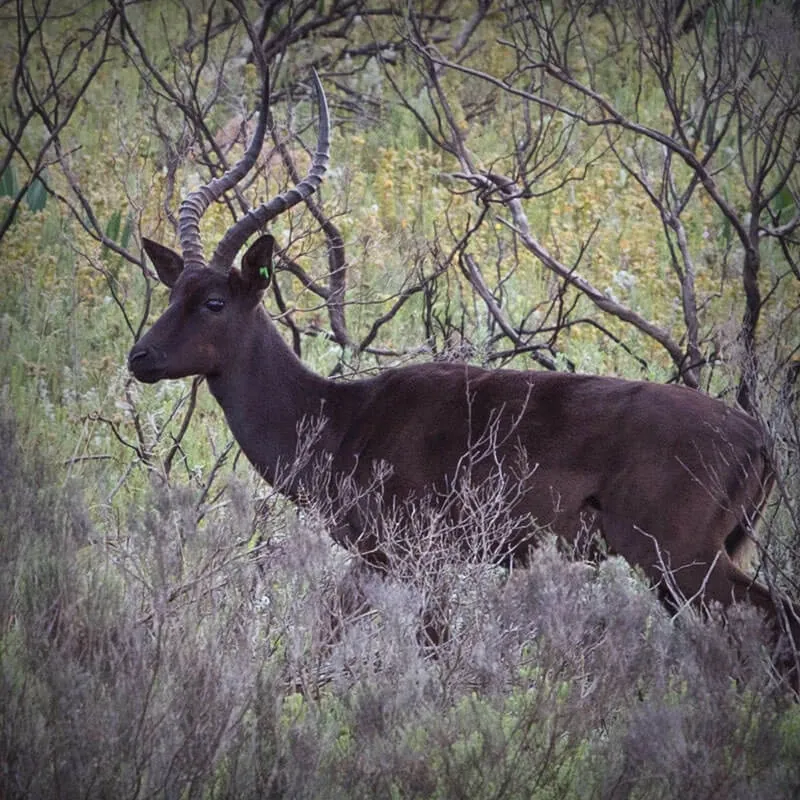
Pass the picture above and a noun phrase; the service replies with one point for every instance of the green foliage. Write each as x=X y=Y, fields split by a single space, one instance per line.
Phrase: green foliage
x=9 y=185
x=36 y=195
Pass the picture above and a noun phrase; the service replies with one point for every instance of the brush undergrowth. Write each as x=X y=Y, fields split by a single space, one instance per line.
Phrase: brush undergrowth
x=171 y=658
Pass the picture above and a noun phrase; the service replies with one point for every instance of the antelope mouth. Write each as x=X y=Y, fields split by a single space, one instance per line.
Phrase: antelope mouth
x=146 y=366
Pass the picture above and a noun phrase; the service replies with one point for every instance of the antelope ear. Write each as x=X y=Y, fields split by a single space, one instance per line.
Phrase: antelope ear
x=168 y=263
x=257 y=264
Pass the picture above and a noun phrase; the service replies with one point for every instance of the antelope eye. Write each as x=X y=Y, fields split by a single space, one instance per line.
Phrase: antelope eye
x=215 y=304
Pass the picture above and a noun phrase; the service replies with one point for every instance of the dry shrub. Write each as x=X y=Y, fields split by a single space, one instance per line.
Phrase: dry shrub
x=170 y=656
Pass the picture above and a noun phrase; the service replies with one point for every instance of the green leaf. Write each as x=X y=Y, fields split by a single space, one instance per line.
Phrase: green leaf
x=783 y=205
x=127 y=231
x=112 y=228
x=9 y=186
x=36 y=196
x=112 y=232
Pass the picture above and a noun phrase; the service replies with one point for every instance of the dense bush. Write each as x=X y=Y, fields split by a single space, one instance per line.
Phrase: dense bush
x=171 y=658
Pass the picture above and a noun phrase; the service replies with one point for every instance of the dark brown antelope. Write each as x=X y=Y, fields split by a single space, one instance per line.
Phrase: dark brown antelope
x=670 y=478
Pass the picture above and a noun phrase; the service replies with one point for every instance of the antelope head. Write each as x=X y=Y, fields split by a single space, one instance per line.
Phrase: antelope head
x=212 y=305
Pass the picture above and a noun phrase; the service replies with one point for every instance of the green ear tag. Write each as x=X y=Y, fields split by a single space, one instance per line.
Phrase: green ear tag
x=264 y=273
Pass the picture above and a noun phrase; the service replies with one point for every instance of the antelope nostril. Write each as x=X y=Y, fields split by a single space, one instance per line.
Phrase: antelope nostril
x=136 y=354
x=146 y=364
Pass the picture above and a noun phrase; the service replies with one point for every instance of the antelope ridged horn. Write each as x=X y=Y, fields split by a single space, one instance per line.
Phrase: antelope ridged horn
x=236 y=236
x=194 y=206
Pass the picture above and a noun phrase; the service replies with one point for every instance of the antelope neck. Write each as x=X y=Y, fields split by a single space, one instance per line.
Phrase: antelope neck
x=266 y=392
